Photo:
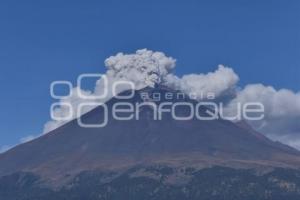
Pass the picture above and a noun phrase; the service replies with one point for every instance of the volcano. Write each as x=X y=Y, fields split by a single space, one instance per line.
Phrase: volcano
x=72 y=153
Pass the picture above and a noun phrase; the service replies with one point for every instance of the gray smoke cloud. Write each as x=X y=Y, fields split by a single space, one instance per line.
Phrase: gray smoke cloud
x=144 y=68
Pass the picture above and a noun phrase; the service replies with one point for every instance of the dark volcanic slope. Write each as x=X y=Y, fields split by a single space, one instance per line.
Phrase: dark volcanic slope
x=71 y=148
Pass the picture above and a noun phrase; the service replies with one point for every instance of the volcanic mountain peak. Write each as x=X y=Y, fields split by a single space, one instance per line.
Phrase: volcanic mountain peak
x=71 y=148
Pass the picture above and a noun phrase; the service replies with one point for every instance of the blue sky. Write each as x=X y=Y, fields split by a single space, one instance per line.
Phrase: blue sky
x=43 y=41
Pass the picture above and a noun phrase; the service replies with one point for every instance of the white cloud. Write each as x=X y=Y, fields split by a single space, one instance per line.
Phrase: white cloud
x=217 y=82
x=63 y=111
x=28 y=138
x=282 y=111
x=25 y=139
x=5 y=148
